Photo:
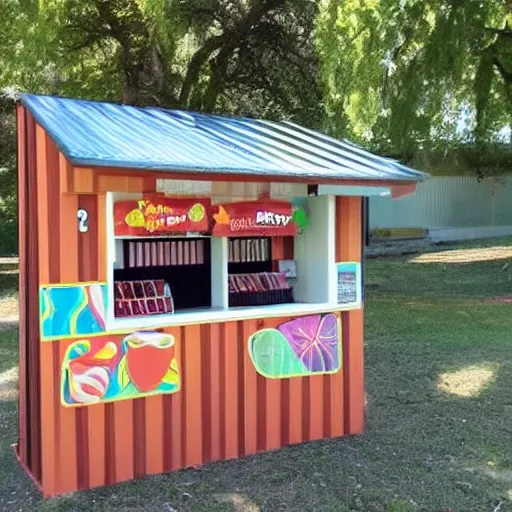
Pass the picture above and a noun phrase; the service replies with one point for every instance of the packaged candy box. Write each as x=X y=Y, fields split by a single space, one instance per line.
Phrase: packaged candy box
x=141 y=298
x=259 y=289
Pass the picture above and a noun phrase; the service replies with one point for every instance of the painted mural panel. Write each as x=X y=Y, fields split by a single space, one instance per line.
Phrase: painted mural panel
x=71 y=310
x=307 y=345
x=112 y=368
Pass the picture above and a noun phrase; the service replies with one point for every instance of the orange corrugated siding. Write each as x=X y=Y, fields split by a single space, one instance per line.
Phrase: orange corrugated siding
x=224 y=409
x=29 y=445
x=23 y=412
x=349 y=243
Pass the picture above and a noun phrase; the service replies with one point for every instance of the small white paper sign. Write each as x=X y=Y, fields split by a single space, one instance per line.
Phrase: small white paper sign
x=349 y=283
x=288 y=268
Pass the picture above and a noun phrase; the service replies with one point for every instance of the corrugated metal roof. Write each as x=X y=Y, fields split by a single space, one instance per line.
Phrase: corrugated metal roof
x=109 y=135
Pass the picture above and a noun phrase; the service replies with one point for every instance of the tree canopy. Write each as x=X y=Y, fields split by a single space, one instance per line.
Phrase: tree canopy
x=250 y=57
x=412 y=74
x=395 y=75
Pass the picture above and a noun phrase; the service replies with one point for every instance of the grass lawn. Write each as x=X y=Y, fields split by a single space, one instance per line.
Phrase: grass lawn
x=439 y=413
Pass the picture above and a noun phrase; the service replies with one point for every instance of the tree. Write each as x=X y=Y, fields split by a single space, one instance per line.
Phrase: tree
x=417 y=74
x=202 y=54
x=8 y=182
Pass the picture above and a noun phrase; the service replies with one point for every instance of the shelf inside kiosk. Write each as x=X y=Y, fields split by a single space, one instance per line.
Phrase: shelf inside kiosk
x=251 y=281
x=161 y=276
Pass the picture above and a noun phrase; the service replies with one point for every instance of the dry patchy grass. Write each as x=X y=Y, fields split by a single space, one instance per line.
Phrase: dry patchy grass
x=465 y=255
x=8 y=293
x=8 y=312
x=467 y=382
x=9 y=385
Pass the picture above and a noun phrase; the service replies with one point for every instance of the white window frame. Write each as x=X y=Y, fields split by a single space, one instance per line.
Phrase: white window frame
x=316 y=275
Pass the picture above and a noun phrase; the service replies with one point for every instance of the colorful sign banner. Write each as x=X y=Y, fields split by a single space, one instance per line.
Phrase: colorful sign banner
x=158 y=215
x=256 y=218
x=70 y=310
x=111 y=368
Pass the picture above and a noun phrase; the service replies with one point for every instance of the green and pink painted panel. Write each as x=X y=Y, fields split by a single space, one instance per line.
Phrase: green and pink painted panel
x=103 y=367
x=307 y=345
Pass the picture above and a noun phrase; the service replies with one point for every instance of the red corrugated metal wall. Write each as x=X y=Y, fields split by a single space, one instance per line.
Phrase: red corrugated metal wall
x=224 y=409
x=29 y=446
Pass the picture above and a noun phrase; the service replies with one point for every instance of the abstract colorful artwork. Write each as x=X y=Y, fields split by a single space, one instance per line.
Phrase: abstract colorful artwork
x=349 y=283
x=111 y=368
x=72 y=310
x=307 y=345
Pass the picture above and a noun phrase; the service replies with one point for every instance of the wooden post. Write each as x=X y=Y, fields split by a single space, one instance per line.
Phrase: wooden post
x=23 y=414
x=348 y=248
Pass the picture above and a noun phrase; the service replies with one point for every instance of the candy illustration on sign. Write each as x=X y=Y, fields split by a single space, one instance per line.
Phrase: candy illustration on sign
x=159 y=214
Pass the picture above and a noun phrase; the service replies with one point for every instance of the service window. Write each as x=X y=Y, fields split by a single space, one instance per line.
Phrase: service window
x=185 y=260
x=161 y=276
x=159 y=255
x=251 y=280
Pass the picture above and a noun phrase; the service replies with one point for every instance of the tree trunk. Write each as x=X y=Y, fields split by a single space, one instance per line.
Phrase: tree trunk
x=227 y=44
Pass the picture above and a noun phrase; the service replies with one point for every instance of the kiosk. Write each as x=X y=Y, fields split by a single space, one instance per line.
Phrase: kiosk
x=190 y=288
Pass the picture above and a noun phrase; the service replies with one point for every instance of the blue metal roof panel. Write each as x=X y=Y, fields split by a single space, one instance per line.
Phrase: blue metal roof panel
x=108 y=135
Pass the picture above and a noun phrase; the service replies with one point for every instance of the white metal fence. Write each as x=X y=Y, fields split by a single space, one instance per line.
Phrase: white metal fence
x=450 y=208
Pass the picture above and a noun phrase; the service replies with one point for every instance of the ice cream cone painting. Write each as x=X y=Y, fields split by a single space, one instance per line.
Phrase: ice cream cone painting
x=148 y=358
x=111 y=368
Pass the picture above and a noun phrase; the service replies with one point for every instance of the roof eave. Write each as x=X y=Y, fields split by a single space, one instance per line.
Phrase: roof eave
x=219 y=175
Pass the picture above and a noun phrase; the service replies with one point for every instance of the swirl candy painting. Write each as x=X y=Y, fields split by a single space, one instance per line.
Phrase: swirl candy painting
x=111 y=368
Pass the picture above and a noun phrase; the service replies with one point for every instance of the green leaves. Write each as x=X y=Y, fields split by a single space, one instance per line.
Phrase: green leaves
x=483 y=83
x=402 y=75
x=253 y=56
